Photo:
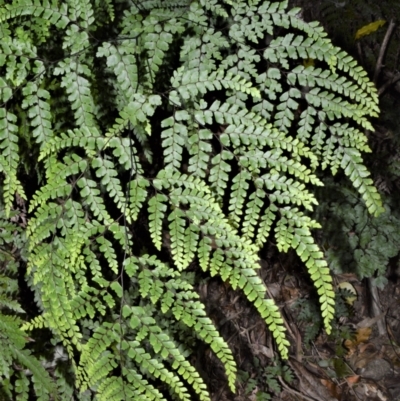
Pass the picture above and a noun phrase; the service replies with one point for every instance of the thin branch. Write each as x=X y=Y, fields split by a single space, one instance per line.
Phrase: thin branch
x=388 y=84
x=383 y=50
x=293 y=391
x=360 y=53
x=375 y=308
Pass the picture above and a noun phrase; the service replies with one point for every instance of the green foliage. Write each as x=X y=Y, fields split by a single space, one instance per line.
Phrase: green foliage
x=266 y=382
x=354 y=241
x=18 y=367
x=309 y=317
x=168 y=134
x=355 y=15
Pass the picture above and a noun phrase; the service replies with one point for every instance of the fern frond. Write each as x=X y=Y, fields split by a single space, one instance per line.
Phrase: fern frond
x=9 y=158
x=275 y=160
x=238 y=195
x=311 y=77
x=105 y=170
x=285 y=190
x=157 y=210
x=190 y=84
x=143 y=386
x=137 y=195
x=293 y=231
x=12 y=348
x=359 y=176
x=102 y=337
x=253 y=209
x=90 y=193
x=266 y=221
x=178 y=296
x=88 y=139
x=239 y=261
x=122 y=60
x=200 y=150
x=174 y=138
x=155 y=367
x=37 y=99
x=48 y=10
x=42 y=382
x=156 y=41
x=75 y=81
x=219 y=173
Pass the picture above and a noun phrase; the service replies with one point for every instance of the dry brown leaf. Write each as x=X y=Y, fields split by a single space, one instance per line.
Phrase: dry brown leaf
x=352 y=380
x=290 y=294
x=362 y=335
x=334 y=390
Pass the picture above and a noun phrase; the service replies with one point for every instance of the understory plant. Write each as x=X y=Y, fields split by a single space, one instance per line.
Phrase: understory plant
x=149 y=140
x=353 y=240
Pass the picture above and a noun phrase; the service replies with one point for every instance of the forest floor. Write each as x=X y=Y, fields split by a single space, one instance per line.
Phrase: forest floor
x=360 y=360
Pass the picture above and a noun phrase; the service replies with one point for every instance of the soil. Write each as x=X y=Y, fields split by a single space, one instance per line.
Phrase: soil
x=360 y=360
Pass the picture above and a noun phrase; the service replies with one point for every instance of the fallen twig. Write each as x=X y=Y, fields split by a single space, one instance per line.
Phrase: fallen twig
x=383 y=50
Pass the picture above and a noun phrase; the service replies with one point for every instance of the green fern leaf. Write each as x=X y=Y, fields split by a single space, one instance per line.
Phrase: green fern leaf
x=358 y=174
x=156 y=210
x=177 y=232
x=9 y=159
